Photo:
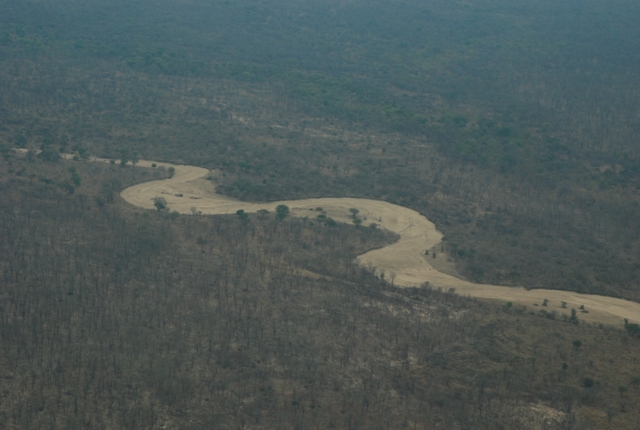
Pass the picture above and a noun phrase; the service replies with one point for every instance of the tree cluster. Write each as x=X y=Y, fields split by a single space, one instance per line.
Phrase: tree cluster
x=120 y=318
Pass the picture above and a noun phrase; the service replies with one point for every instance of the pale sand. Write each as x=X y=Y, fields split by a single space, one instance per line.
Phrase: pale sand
x=403 y=261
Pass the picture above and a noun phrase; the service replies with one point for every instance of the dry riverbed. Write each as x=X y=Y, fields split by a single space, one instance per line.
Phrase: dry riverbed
x=402 y=262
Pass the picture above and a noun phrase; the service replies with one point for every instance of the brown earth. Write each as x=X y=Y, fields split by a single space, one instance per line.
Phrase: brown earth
x=403 y=262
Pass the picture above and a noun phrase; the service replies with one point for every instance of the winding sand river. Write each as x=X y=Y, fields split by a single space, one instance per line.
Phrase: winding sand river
x=188 y=189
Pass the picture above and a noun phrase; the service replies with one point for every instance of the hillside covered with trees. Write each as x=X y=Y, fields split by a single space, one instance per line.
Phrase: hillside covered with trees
x=115 y=317
x=513 y=125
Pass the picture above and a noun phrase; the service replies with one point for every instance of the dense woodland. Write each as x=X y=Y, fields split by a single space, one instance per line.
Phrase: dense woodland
x=113 y=317
x=513 y=125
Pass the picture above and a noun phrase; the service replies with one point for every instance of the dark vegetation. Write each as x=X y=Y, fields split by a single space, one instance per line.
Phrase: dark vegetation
x=112 y=317
x=512 y=125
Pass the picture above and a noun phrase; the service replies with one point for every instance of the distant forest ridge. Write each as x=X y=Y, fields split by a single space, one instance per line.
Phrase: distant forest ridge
x=569 y=70
x=512 y=125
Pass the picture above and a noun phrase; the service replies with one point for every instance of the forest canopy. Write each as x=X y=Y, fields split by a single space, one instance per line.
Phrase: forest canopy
x=512 y=125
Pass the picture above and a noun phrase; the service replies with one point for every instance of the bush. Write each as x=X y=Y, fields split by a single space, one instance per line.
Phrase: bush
x=633 y=329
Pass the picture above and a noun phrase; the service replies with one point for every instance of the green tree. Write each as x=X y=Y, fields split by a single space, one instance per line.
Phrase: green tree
x=21 y=141
x=577 y=344
x=83 y=153
x=281 y=212
x=574 y=317
x=49 y=155
x=633 y=329
x=244 y=217
x=354 y=212
x=76 y=179
x=160 y=203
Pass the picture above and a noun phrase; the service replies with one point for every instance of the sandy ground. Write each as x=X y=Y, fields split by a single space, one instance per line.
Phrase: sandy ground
x=403 y=262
